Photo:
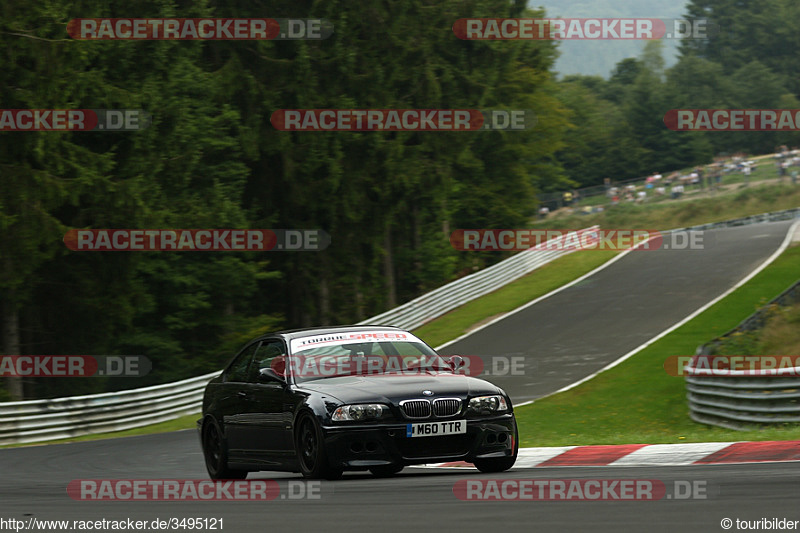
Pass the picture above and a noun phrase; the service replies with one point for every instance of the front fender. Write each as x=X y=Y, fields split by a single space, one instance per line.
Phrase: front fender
x=317 y=406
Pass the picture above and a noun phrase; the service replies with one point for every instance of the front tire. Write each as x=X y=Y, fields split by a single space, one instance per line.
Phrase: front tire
x=311 y=452
x=216 y=454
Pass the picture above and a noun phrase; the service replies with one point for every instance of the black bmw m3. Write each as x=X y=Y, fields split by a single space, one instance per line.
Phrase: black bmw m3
x=325 y=400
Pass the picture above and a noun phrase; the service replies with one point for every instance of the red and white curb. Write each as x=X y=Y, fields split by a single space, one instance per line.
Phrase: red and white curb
x=703 y=453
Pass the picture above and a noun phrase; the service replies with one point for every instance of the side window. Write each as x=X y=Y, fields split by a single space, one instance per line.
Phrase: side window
x=264 y=358
x=237 y=371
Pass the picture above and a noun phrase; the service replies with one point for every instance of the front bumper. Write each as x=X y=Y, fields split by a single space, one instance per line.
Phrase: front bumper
x=361 y=447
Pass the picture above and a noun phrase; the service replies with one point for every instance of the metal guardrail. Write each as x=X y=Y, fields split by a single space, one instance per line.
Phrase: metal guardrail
x=775 y=216
x=737 y=403
x=60 y=418
x=74 y=416
x=425 y=308
x=738 y=399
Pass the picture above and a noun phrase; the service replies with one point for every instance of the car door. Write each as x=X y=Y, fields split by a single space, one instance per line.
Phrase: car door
x=233 y=404
x=267 y=435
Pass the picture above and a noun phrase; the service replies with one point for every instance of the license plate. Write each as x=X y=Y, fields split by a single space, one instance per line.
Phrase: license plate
x=434 y=429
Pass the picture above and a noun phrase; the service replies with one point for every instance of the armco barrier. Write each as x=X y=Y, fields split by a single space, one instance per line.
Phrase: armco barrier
x=60 y=418
x=45 y=420
x=742 y=402
x=775 y=216
x=736 y=399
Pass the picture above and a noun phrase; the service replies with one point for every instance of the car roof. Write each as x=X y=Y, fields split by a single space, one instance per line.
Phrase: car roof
x=324 y=330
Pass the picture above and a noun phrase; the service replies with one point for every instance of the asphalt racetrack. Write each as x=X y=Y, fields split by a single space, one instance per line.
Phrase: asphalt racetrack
x=565 y=338
x=418 y=499
x=581 y=329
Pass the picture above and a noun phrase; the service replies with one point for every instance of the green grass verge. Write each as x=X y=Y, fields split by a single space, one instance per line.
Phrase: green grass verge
x=529 y=287
x=184 y=422
x=637 y=402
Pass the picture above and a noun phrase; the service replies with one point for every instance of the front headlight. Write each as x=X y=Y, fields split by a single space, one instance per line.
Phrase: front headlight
x=487 y=405
x=359 y=412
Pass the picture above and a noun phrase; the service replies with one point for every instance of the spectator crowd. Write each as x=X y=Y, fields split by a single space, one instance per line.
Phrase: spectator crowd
x=673 y=186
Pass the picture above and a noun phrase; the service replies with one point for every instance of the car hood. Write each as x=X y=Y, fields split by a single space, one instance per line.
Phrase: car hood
x=392 y=388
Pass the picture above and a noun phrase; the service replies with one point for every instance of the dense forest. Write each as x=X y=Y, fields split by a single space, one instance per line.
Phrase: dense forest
x=211 y=159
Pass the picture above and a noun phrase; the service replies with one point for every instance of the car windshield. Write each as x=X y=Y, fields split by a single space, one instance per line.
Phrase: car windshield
x=365 y=358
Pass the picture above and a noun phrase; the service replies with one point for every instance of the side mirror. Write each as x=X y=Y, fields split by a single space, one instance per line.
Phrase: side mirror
x=268 y=374
x=455 y=362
